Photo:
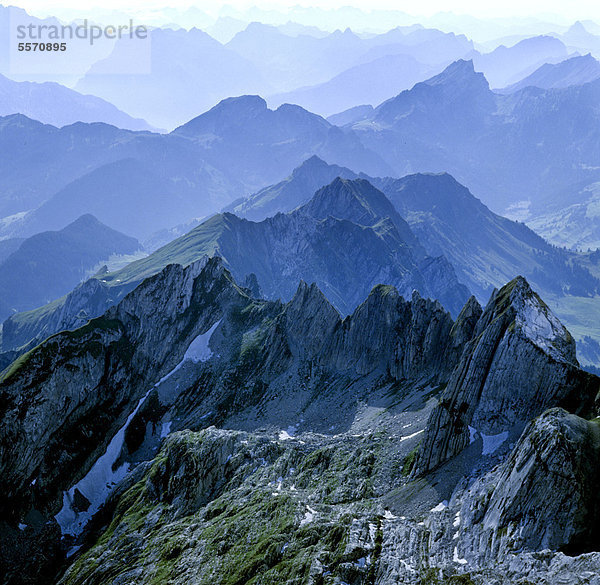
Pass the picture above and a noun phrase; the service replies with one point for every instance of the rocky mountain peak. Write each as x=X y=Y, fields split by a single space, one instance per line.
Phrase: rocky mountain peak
x=309 y=318
x=315 y=166
x=544 y=495
x=230 y=112
x=309 y=165
x=467 y=320
x=461 y=73
x=119 y=357
x=520 y=362
x=577 y=28
x=535 y=320
x=358 y=201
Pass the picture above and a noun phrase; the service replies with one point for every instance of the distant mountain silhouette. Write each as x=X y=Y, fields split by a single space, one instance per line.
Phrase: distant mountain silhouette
x=55 y=104
x=574 y=71
x=505 y=148
x=50 y=264
x=143 y=182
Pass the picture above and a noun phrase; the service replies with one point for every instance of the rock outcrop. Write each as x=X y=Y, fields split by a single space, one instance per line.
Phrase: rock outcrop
x=235 y=506
x=543 y=497
x=322 y=420
x=301 y=360
x=62 y=401
x=520 y=362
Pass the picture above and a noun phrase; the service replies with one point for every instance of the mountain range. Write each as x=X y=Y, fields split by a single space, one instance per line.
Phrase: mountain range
x=347 y=239
x=367 y=83
x=48 y=265
x=54 y=104
x=433 y=215
x=486 y=249
x=509 y=149
x=196 y=418
x=365 y=371
x=573 y=71
x=159 y=180
x=505 y=65
x=198 y=71
x=519 y=163
x=190 y=72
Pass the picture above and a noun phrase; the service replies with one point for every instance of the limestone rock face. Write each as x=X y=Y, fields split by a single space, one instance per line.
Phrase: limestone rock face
x=544 y=496
x=301 y=360
x=278 y=441
x=62 y=401
x=410 y=339
x=520 y=362
x=88 y=300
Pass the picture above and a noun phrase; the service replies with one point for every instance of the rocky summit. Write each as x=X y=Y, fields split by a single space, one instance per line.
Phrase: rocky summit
x=195 y=433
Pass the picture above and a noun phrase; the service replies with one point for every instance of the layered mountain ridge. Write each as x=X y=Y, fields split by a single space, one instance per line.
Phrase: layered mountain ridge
x=51 y=103
x=347 y=238
x=306 y=391
x=50 y=264
x=160 y=180
x=505 y=148
x=485 y=249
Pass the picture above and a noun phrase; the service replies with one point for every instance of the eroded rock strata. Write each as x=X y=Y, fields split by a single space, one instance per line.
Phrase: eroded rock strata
x=254 y=441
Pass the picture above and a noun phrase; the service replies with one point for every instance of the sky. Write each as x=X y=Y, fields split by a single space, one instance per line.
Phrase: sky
x=572 y=10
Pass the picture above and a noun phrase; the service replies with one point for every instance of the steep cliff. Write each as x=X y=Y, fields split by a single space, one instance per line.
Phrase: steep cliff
x=196 y=434
x=520 y=362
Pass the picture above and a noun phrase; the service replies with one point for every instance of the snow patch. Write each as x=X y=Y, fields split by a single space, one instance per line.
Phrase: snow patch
x=440 y=507
x=389 y=516
x=407 y=566
x=413 y=435
x=98 y=482
x=457 y=559
x=6 y=221
x=198 y=351
x=101 y=478
x=309 y=516
x=472 y=435
x=284 y=436
x=491 y=443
